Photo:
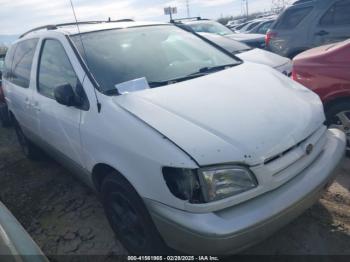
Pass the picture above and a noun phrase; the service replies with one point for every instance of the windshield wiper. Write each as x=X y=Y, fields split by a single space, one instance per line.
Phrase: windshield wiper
x=201 y=72
x=212 y=69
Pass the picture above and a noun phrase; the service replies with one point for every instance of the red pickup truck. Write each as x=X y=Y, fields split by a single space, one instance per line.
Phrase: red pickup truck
x=326 y=71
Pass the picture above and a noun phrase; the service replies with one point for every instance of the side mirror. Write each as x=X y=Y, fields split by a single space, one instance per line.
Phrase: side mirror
x=64 y=95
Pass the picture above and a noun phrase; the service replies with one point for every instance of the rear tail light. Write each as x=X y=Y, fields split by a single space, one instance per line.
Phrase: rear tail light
x=268 y=37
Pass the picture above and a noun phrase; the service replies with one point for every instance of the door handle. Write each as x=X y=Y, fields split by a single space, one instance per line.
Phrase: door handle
x=27 y=102
x=322 y=33
x=36 y=106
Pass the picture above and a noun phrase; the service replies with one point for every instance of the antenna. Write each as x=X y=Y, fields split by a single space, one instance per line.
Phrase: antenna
x=188 y=8
x=84 y=51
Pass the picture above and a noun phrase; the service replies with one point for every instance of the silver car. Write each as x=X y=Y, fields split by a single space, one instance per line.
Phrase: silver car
x=308 y=24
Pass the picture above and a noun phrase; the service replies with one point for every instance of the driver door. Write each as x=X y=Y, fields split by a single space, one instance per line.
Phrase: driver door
x=59 y=125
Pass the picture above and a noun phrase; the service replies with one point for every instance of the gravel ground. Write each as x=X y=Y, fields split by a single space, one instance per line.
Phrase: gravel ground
x=65 y=218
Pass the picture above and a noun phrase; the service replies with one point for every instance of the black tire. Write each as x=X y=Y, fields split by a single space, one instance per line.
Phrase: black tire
x=333 y=120
x=4 y=117
x=129 y=217
x=30 y=151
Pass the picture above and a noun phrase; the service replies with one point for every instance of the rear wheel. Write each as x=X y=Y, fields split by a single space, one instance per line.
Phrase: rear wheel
x=28 y=148
x=129 y=217
x=338 y=116
x=4 y=117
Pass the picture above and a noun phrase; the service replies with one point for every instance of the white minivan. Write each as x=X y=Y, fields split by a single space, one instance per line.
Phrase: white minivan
x=188 y=146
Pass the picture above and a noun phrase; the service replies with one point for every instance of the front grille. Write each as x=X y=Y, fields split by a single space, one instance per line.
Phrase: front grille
x=271 y=159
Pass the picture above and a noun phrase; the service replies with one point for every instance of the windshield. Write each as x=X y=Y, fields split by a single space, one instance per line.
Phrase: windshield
x=210 y=27
x=155 y=53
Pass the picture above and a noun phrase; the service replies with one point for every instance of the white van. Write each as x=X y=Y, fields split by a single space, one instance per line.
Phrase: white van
x=188 y=146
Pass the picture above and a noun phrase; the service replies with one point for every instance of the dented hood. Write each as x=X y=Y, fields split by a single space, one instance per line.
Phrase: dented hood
x=245 y=114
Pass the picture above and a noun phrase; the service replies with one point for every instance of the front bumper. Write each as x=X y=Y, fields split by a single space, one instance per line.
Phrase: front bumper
x=238 y=227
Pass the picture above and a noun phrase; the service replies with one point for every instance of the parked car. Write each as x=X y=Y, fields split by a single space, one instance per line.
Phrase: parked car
x=235 y=22
x=262 y=27
x=200 y=25
x=15 y=242
x=188 y=146
x=252 y=24
x=235 y=28
x=4 y=116
x=308 y=24
x=325 y=70
x=255 y=55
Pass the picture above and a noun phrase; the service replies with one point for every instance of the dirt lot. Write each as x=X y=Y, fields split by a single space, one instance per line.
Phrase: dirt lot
x=64 y=217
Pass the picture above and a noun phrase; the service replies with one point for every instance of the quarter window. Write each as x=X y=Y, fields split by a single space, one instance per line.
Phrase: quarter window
x=54 y=69
x=22 y=62
x=338 y=14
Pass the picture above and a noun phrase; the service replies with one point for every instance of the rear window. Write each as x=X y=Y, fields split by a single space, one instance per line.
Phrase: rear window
x=22 y=62
x=292 y=17
x=338 y=14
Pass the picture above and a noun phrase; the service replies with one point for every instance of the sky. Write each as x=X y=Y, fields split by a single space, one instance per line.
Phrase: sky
x=18 y=16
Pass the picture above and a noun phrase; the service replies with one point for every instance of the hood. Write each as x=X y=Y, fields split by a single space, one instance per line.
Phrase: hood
x=246 y=37
x=263 y=57
x=245 y=114
x=331 y=49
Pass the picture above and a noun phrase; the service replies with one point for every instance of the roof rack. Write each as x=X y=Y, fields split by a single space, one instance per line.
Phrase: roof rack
x=179 y=20
x=56 y=26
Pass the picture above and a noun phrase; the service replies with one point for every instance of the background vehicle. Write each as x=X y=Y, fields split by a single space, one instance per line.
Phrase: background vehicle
x=236 y=28
x=4 y=116
x=262 y=27
x=326 y=71
x=252 y=24
x=200 y=25
x=255 y=55
x=236 y=22
x=15 y=242
x=308 y=24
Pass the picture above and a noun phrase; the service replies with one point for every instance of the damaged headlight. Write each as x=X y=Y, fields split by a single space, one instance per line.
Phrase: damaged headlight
x=208 y=184
x=222 y=182
x=183 y=183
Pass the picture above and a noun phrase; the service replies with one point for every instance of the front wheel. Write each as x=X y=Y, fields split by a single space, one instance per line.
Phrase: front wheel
x=129 y=218
x=338 y=116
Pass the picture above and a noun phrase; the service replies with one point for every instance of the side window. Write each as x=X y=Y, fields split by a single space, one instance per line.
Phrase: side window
x=8 y=63
x=292 y=17
x=338 y=14
x=54 y=68
x=22 y=62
